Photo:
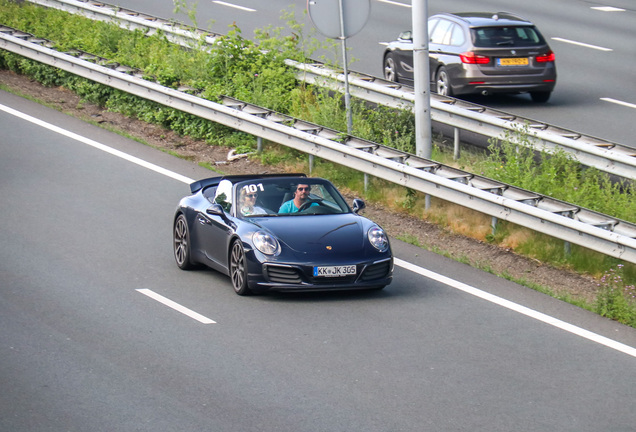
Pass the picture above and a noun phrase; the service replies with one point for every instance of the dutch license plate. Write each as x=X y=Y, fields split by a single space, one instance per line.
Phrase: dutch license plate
x=334 y=271
x=514 y=61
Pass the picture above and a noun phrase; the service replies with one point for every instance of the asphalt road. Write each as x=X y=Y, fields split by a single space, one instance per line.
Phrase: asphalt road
x=86 y=232
x=595 y=53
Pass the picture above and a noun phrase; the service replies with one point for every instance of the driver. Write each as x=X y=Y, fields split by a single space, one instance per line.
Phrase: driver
x=301 y=196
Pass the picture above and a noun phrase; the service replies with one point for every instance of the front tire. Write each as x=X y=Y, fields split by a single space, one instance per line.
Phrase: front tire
x=390 y=68
x=181 y=243
x=238 y=269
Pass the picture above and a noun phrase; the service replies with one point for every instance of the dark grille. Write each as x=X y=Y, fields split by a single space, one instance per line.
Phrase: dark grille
x=287 y=275
x=376 y=271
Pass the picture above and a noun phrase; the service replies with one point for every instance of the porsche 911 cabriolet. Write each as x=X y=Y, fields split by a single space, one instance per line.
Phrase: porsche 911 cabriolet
x=280 y=232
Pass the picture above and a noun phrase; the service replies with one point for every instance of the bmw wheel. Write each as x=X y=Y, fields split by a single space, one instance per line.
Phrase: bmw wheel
x=442 y=84
x=182 y=243
x=390 y=68
x=238 y=269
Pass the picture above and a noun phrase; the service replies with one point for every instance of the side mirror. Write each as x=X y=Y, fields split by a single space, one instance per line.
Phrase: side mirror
x=358 y=205
x=215 y=210
x=406 y=36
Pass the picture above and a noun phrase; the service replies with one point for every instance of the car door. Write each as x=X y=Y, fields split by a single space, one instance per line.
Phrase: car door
x=447 y=42
x=403 y=55
x=214 y=233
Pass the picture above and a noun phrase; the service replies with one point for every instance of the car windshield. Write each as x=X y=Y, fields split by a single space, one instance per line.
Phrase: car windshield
x=291 y=196
x=511 y=36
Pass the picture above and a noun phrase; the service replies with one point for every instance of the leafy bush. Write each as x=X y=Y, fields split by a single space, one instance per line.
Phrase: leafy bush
x=557 y=174
x=616 y=299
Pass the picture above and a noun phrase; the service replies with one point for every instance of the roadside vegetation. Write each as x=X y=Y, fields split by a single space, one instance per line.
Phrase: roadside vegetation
x=255 y=72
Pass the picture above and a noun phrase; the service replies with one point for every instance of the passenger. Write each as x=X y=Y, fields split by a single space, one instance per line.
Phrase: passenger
x=301 y=195
x=247 y=204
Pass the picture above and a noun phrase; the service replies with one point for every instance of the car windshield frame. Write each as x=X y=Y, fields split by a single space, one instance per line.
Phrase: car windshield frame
x=271 y=193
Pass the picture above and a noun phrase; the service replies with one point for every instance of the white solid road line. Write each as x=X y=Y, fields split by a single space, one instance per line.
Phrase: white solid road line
x=395 y=3
x=96 y=145
x=619 y=102
x=519 y=308
x=607 y=9
x=596 y=47
x=176 y=306
x=243 y=8
x=406 y=265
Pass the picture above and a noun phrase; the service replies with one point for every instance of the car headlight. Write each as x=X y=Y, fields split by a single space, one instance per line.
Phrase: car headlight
x=378 y=239
x=266 y=243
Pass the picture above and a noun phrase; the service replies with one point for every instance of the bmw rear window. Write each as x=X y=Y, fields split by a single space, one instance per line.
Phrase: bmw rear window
x=509 y=36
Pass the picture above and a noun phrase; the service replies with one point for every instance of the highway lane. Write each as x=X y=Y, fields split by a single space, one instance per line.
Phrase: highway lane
x=82 y=349
x=595 y=94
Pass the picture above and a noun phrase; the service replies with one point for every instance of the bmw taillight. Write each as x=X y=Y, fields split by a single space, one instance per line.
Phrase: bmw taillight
x=544 y=58
x=472 y=58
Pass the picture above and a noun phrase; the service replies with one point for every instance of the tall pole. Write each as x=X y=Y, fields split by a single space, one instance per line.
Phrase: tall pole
x=421 y=75
x=345 y=69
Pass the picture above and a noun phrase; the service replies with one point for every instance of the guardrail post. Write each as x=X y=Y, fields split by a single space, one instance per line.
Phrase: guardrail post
x=311 y=163
x=456 y=143
x=493 y=225
x=259 y=145
x=567 y=248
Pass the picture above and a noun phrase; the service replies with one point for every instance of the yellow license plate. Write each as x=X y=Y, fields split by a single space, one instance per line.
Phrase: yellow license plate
x=515 y=61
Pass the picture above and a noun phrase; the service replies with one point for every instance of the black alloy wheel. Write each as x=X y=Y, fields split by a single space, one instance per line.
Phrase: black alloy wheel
x=181 y=242
x=238 y=269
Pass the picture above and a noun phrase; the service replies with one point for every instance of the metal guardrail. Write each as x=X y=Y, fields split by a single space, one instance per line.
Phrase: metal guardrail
x=607 y=156
x=558 y=219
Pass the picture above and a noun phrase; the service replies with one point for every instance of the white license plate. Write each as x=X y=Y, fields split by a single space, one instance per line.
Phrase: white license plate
x=334 y=271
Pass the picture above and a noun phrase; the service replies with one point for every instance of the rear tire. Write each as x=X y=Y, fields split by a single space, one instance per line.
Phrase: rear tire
x=442 y=83
x=238 y=269
x=540 y=96
x=181 y=244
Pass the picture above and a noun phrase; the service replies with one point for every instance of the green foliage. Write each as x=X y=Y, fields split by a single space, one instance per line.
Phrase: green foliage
x=388 y=126
x=616 y=299
x=557 y=174
x=291 y=41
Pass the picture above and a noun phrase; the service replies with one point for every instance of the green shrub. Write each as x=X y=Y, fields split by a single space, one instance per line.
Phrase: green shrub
x=558 y=175
x=616 y=299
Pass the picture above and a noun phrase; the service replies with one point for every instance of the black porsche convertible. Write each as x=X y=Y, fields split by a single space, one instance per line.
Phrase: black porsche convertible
x=280 y=232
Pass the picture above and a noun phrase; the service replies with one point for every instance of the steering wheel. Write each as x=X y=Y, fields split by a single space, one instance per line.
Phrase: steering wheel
x=309 y=202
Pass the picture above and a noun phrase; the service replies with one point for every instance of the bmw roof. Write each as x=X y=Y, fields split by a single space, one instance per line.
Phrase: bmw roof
x=487 y=19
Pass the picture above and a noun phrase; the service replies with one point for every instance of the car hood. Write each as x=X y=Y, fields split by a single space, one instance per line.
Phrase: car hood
x=344 y=233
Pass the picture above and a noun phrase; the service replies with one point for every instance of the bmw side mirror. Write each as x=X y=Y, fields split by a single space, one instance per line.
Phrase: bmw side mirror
x=358 y=205
x=406 y=36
